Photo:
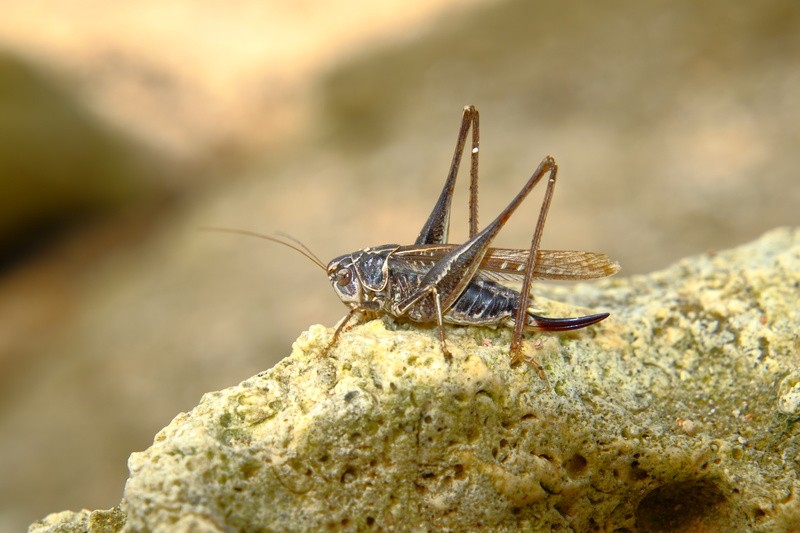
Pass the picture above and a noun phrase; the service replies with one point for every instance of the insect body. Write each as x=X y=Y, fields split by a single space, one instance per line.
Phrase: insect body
x=377 y=279
x=433 y=281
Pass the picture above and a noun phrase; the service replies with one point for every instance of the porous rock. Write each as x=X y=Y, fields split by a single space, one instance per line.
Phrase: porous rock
x=679 y=412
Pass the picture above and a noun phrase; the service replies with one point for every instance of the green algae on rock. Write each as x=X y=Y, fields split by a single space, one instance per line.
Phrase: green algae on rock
x=679 y=412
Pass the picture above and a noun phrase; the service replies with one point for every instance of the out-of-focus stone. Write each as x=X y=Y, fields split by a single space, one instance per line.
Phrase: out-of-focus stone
x=106 y=521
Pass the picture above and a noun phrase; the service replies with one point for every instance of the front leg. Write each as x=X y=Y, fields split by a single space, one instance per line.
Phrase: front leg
x=440 y=322
x=363 y=309
x=421 y=310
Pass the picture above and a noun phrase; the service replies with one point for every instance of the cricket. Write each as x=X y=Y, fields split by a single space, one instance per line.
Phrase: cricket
x=436 y=282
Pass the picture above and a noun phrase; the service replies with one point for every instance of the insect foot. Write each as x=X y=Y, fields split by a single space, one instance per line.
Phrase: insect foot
x=520 y=357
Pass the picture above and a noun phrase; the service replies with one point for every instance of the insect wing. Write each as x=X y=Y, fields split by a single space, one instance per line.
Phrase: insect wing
x=507 y=264
x=504 y=264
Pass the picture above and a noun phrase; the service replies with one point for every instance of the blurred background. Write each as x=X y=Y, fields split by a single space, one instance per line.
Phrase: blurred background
x=126 y=126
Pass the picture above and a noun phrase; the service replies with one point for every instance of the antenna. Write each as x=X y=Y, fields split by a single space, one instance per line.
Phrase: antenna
x=295 y=244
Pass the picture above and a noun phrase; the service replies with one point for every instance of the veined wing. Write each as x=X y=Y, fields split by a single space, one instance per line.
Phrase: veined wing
x=504 y=264
x=507 y=264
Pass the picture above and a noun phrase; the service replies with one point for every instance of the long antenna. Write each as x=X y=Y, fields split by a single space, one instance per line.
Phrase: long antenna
x=295 y=244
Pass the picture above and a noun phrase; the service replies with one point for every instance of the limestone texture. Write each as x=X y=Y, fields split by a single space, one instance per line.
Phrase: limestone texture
x=678 y=413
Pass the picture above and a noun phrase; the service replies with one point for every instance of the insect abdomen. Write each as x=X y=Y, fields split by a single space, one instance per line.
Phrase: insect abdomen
x=483 y=302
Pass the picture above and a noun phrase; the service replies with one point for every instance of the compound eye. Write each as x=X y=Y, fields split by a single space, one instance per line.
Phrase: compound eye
x=343 y=277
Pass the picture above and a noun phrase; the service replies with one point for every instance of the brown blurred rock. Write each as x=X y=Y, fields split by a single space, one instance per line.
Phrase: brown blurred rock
x=60 y=167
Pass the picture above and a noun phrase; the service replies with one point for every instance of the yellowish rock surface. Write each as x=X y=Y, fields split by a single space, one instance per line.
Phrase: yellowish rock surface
x=677 y=413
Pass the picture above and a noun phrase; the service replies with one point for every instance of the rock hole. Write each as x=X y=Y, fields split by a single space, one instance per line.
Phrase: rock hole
x=350 y=396
x=485 y=393
x=348 y=475
x=696 y=505
x=250 y=469
x=637 y=473
x=763 y=345
x=370 y=521
x=576 y=465
x=565 y=506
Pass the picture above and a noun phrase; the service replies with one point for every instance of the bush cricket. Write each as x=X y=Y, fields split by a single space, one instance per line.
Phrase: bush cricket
x=433 y=281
